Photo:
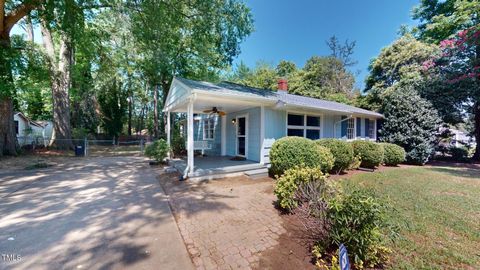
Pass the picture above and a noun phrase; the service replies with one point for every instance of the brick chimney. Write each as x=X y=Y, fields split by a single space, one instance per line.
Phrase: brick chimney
x=282 y=85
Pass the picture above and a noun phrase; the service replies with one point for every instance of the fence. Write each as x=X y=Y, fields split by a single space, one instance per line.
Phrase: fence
x=92 y=147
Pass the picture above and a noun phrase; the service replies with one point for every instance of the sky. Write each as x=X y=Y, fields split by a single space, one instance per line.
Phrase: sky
x=296 y=30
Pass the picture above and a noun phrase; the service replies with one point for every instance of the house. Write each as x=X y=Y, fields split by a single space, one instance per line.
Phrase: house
x=459 y=138
x=29 y=132
x=227 y=120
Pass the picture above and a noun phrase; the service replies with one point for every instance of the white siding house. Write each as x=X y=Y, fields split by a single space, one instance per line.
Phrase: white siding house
x=29 y=131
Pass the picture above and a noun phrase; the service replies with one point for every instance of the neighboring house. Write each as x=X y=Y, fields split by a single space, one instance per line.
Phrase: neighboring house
x=29 y=131
x=459 y=138
x=228 y=119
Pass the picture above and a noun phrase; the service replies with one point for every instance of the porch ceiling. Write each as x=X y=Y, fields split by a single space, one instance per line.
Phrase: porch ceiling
x=223 y=104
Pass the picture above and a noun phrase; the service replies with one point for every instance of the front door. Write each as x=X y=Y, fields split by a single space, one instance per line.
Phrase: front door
x=242 y=136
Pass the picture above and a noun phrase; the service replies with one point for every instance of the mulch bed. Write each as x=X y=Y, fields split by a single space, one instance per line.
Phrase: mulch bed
x=293 y=250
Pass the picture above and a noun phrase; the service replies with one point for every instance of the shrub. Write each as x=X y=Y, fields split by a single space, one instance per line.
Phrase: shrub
x=356 y=220
x=342 y=152
x=371 y=153
x=157 y=150
x=178 y=145
x=286 y=188
x=393 y=154
x=411 y=122
x=357 y=160
x=458 y=153
x=289 y=152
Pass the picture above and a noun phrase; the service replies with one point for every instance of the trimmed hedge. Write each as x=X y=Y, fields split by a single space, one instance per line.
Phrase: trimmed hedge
x=289 y=152
x=370 y=153
x=342 y=152
x=393 y=154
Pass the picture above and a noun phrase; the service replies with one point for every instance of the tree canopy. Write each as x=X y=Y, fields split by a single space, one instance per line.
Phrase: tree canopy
x=129 y=49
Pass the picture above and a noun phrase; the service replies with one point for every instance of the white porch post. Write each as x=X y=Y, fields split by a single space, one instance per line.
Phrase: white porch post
x=224 y=136
x=190 y=136
x=168 y=134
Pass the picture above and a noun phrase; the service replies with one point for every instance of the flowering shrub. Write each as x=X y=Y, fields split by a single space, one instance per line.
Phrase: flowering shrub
x=456 y=76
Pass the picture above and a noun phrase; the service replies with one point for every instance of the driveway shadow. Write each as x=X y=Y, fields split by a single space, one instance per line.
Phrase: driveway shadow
x=99 y=213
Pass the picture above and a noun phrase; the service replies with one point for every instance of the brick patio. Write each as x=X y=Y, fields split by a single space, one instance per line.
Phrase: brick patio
x=225 y=224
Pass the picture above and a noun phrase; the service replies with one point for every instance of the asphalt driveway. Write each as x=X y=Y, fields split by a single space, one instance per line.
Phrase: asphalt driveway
x=92 y=213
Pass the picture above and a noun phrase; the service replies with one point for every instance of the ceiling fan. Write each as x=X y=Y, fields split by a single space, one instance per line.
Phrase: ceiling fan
x=215 y=110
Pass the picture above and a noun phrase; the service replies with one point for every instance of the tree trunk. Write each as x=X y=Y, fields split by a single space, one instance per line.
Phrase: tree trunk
x=8 y=138
x=476 y=111
x=60 y=83
x=130 y=105
x=155 y=111
x=476 y=107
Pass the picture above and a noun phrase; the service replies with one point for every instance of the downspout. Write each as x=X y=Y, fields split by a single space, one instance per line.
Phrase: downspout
x=338 y=122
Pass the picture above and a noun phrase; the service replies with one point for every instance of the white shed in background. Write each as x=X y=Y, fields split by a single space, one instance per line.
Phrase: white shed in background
x=29 y=131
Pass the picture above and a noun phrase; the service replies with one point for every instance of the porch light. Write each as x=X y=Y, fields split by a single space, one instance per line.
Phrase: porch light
x=234 y=121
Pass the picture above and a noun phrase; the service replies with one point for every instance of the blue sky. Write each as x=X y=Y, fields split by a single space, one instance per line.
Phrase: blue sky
x=297 y=30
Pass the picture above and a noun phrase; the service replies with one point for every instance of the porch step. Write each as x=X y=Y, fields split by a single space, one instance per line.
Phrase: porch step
x=257 y=172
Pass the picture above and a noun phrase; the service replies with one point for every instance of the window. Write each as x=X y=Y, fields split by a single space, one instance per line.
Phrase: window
x=351 y=128
x=16 y=127
x=208 y=129
x=371 y=129
x=303 y=125
x=295 y=120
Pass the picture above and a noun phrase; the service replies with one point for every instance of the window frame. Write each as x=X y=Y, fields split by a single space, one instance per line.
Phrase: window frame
x=372 y=126
x=211 y=127
x=351 y=127
x=304 y=127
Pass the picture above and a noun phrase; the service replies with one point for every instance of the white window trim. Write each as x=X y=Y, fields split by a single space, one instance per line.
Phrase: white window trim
x=374 y=129
x=346 y=135
x=212 y=127
x=354 y=133
x=304 y=127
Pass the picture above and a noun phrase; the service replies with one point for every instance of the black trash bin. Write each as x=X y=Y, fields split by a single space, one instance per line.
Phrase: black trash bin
x=79 y=150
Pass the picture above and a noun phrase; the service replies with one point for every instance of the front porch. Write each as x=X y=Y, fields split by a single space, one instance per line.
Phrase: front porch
x=215 y=167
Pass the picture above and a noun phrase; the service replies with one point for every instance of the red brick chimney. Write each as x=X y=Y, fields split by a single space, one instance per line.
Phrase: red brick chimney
x=282 y=85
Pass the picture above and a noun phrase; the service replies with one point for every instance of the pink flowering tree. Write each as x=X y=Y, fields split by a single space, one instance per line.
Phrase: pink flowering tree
x=457 y=75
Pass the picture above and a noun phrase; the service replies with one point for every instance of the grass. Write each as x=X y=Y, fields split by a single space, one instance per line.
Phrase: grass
x=438 y=212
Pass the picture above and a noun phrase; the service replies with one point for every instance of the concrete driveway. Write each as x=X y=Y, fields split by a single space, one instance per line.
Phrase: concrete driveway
x=91 y=213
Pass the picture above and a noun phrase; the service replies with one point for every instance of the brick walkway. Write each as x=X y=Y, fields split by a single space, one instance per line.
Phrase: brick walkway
x=225 y=224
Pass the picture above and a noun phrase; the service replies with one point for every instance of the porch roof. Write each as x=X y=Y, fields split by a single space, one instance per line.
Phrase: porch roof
x=226 y=90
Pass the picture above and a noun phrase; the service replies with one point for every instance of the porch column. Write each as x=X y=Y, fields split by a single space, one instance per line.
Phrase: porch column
x=224 y=135
x=169 y=135
x=190 y=136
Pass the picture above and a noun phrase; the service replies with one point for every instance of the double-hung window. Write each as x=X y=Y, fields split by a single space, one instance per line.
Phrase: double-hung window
x=351 y=128
x=208 y=128
x=371 y=129
x=303 y=125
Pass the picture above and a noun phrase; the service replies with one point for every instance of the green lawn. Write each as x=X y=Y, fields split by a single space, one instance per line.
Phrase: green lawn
x=438 y=210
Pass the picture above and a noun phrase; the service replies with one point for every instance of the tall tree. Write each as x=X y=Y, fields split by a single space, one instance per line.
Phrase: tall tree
x=188 y=38
x=397 y=66
x=324 y=77
x=113 y=105
x=11 y=12
x=454 y=24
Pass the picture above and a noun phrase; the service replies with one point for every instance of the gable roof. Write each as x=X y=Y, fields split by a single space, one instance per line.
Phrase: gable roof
x=277 y=96
x=21 y=115
x=228 y=88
